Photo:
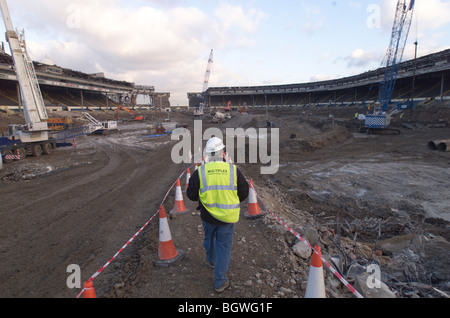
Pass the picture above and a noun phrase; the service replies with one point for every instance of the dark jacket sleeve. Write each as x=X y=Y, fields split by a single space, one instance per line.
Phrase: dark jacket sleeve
x=193 y=189
x=243 y=187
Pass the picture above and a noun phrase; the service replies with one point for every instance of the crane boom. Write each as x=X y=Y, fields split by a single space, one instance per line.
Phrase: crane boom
x=199 y=110
x=400 y=31
x=33 y=103
x=208 y=72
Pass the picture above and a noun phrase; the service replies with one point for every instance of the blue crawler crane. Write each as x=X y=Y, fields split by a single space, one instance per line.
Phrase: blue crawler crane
x=380 y=117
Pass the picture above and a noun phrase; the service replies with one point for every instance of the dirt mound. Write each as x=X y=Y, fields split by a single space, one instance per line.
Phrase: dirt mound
x=306 y=139
x=435 y=112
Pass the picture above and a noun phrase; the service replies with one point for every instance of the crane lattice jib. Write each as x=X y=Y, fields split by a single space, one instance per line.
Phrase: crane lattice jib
x=33 y=103
x=400 y=31
x=208 y=72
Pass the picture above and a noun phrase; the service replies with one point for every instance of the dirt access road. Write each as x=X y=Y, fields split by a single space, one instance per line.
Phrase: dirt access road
x=81 y=205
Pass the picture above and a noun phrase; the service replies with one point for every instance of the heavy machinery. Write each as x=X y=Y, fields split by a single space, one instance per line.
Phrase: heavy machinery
x=120 y=107
x=32 y=138
x=59 y=123
x=199 y=109
x=100 y=128
x=218 y=117
x=243 y=109
x=228 y=108
x=379 y=118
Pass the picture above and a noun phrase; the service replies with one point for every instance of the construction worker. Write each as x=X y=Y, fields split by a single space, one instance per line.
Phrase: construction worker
x=220 y=188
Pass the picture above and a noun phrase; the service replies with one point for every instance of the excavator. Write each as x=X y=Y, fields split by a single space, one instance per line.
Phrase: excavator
x=138 y=118
x=243 y=109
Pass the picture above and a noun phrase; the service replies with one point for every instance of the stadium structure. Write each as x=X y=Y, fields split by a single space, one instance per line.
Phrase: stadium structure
x=66 y=89
x=421 y=80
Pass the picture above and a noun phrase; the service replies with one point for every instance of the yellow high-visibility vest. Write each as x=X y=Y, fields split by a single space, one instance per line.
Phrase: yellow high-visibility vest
x=218 y=191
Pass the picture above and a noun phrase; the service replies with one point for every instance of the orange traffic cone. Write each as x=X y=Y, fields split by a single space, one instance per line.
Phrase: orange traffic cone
x=179 y=207
x=167 y=253
x=196 y=166
x=254 y=211
x=89 y=291
x=188 y=176
x=315 y=287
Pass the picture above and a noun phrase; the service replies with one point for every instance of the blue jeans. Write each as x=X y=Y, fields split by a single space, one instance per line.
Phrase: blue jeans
x=217 y=243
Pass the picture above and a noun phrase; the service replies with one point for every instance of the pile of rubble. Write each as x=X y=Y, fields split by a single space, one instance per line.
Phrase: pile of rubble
x=409 y=264
x=397 y=267
x=24 y=172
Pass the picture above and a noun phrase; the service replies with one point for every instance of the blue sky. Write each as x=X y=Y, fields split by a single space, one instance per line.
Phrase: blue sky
x=256 y=42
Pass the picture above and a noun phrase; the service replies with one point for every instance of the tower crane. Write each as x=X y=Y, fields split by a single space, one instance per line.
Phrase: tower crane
x=199 y=110
x=380 y=117
x=33 y=137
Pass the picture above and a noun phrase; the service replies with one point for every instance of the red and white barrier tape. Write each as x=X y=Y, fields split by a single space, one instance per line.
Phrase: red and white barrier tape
x=347 y=284
x=134 y=236
x=339 y=276
x=12 y=157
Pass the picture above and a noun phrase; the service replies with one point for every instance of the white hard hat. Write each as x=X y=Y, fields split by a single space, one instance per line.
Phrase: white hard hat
x=214 y=145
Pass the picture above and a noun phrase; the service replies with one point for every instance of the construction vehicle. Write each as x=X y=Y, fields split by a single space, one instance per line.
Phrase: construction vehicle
x=33 y=138
x=100 y=128
x=59 y=123
x=243 y=108
x=228 y=108
x=156 y=129
x=120 y=107
x=219 y=118
x=202 y=97
x=379 y=118
x=198 y=112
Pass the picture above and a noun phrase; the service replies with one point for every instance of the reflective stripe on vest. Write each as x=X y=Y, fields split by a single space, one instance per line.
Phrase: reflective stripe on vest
x=218 y=191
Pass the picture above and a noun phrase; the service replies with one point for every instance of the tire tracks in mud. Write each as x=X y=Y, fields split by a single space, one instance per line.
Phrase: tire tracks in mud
x=60 y=228
x=112 y=163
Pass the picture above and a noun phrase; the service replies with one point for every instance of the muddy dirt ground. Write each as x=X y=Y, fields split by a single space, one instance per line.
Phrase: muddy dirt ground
x=345 y=191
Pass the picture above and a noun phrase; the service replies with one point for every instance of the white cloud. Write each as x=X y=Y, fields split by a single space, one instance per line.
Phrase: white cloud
x=362 y=58
x=154 y=44
x=167 y=43
x=430 y=24
x=231 y=16
x=430 y=14
x=321 y=77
